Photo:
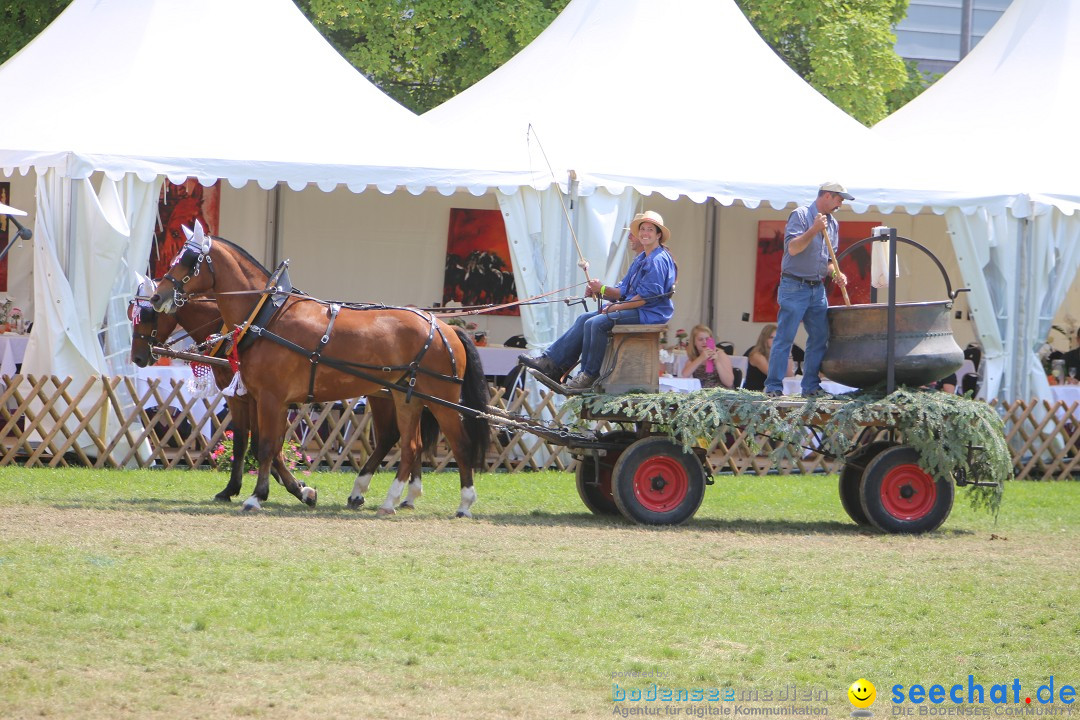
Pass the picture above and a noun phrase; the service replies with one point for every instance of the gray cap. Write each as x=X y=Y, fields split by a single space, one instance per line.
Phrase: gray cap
x=838 y=189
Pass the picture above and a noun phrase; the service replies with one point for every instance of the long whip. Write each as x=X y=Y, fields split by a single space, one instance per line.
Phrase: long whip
x=582 y=262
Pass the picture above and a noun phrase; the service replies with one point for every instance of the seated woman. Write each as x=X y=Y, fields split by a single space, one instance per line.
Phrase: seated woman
x=643 y=297
x=757 y=365
x=700 y=352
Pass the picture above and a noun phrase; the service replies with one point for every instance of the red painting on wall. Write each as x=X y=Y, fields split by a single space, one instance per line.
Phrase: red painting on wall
x=478 y=266
x=770 y=251
x=180 y=205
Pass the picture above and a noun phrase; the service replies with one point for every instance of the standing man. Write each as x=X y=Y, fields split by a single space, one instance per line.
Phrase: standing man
x=801 y=294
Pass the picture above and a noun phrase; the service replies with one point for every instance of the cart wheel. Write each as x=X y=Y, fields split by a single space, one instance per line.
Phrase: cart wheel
x=898 y=496
x=656 y=483
x=595 y=489
x=851 y=479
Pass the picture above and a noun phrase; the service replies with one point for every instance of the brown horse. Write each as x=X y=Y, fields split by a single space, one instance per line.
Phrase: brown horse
x=200 y=320
x=312 y=351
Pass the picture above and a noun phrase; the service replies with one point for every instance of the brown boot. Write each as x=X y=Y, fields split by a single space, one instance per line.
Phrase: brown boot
x=543 y=364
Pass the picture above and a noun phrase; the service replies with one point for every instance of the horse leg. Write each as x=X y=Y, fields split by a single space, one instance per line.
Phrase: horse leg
x=416 y=485
x=408 y=420
x=241 y=421
x=271 y=424
x=454 y=432
x=429 y=437
x=280 y=469
x=384 y=422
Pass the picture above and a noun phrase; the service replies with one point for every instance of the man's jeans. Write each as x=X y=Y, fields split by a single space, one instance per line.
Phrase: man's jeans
x=587 y=339
x=799 y=302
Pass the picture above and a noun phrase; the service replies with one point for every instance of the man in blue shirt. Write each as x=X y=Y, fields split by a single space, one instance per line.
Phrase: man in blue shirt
x=643 y=297
x=801 y=295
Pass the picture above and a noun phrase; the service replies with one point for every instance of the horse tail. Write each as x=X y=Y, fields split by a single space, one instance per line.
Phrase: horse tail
x=476 y=395
x=429 y=430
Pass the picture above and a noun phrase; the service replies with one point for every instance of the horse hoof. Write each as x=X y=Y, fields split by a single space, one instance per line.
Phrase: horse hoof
x=386 y=511
x=462 y=514
x=223 y=497
x=251 y=505
x=355 y=503
x=309 y=495
x=406 y=506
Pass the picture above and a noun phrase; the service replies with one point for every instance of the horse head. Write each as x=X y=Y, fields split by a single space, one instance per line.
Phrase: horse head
x=183 y=277
x=148 y=326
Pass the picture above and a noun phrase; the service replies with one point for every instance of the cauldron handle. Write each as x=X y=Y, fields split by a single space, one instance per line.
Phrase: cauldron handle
x=948 y=285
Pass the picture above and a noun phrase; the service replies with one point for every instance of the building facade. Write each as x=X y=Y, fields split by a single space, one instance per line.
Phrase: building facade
x=933 y=33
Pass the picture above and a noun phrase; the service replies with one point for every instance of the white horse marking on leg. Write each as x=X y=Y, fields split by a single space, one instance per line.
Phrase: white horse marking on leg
x=468 y=497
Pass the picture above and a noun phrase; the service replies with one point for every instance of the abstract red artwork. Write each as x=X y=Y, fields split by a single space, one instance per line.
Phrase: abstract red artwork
x=770 y=251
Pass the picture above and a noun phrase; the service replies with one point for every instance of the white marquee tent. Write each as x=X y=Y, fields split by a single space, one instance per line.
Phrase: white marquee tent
x=674 y=97
x=1005 y=117
x=140 y=90
x=243 y=90
x=685 y=98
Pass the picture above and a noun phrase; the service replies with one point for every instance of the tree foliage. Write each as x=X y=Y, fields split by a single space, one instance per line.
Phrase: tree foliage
x=22 y=20
x=423 y=52
x=844 y=48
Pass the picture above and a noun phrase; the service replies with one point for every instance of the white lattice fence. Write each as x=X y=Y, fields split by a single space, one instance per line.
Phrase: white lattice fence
x=46 y=421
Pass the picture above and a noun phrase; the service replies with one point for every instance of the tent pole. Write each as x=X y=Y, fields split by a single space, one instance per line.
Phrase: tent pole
x=708 y=311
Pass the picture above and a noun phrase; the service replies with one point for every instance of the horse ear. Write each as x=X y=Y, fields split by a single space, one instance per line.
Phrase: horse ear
x=197 y=239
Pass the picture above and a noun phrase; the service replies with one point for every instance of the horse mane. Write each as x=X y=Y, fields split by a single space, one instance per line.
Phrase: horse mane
x=243 y=253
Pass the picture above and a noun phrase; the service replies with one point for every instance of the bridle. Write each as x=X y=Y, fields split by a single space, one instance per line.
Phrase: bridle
x=141 y=314
x=191 y=261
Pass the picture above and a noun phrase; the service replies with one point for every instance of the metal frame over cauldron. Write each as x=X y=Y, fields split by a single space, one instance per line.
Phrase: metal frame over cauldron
x=890 y=330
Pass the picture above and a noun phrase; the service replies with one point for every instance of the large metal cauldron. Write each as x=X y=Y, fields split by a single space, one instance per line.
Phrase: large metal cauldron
x=925 y=349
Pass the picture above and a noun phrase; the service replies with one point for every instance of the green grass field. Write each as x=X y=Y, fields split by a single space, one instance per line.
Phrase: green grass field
x=133 y=595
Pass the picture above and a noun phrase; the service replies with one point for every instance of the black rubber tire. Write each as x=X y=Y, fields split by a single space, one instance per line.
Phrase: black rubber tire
x=898 y=496
x=851 y=479
x=656 y=483
x=598 y=497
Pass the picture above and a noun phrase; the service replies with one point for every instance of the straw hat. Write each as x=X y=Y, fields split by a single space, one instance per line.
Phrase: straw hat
x=653 y=217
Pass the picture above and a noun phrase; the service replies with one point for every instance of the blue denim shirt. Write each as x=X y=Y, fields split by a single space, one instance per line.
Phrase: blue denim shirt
x=813 y=262
x=651 y=276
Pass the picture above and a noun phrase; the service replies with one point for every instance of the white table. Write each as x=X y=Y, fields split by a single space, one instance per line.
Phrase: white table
x=793 y=386
x=1067 y=394
x=499 y=359
x=12 y=351
x=677 y=384
x=178 y=374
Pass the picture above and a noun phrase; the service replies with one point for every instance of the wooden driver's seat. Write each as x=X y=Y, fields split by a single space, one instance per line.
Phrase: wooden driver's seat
x=632 y=360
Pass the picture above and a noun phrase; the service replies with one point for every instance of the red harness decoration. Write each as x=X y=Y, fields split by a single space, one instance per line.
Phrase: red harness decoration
x=234 y=351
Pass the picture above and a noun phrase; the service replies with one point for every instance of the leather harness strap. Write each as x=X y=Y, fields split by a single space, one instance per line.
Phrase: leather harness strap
x=335 y=308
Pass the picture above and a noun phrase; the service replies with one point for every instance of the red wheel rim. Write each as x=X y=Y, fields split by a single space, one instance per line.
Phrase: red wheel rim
x=908 y=492
x=661 y=484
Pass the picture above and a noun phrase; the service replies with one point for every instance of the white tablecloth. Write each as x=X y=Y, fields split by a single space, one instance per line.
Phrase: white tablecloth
x=498 y=359
x=179 y=374
x=793 y=386
x=676 y=384
x=12 y=350
x=1067 y=394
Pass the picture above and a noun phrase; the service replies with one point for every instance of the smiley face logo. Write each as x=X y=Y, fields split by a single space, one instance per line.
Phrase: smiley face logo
x=862 y=693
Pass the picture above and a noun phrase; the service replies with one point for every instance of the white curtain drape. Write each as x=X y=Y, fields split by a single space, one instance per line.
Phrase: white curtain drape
x=1019 y=271
x=545 y=257
x=86 y=245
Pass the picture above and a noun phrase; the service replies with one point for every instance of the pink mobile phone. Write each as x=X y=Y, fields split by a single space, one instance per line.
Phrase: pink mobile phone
x=711 y=344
